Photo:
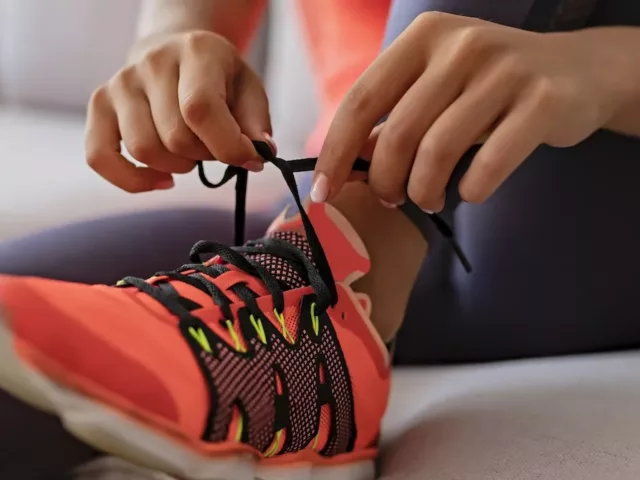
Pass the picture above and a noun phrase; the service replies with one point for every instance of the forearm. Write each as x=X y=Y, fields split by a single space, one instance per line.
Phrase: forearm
x=235 y=20
x=620 y=73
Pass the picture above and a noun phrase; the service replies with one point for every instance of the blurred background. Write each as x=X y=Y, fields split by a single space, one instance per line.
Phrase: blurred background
x=53 y=54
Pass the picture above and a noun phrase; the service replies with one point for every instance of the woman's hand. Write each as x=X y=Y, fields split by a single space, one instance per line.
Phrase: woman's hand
x=190 y=97
x=450 y=82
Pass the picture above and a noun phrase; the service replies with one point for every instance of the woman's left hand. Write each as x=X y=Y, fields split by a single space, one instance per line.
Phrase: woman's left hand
x=450 y=82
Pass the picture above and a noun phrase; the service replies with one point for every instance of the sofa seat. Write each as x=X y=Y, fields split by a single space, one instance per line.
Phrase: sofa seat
x=571 y=418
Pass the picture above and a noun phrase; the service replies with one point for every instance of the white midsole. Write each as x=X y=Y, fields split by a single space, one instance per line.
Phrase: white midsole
x=112 y=432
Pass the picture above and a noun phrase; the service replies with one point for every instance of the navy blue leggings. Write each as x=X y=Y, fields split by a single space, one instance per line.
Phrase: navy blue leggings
x=554 y=253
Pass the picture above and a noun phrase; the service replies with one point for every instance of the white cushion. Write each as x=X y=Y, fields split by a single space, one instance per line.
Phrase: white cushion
x=573 y=418
x=55 y=54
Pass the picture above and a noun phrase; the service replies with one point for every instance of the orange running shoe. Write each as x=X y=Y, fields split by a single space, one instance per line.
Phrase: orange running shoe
x=260 y=362
x=253 y=364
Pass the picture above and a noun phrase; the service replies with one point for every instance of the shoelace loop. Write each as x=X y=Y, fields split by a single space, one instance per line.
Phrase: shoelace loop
x=316 y=274
x=288 y=168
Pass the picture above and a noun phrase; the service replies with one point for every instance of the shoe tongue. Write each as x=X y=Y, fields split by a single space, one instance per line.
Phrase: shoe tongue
x=279 y=267
x=343 y=247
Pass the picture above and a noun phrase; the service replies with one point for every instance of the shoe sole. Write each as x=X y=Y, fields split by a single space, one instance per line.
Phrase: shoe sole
x=112 y=432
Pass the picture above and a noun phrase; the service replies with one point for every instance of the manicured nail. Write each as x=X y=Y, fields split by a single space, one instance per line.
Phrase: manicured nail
x=165 y=184
x=271 y=142
x=440 y=206
x=320 y=190
x=387 y=204
x=253 y=166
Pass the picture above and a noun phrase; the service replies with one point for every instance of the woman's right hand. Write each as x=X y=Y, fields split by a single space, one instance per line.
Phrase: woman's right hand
x=191 y=97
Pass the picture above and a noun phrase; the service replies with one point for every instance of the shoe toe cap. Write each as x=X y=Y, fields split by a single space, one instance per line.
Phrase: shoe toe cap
x=77 y=335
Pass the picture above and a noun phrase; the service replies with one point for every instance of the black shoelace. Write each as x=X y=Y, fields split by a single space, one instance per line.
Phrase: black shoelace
x=318 y=274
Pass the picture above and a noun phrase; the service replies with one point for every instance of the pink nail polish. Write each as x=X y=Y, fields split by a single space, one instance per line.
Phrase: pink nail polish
x=165 y=185
x=387 y=204
x=253 y=166
x=320 y=190
x=271 y=142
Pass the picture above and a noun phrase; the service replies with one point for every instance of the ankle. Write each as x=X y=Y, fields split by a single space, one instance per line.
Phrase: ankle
x=396 y=248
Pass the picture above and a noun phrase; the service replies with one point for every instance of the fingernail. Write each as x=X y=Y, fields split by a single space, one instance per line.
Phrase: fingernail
x=387 y=204
x=271 y=142
x=440 y=206
x=253 y=166
x=320 y=189
x=165 y=184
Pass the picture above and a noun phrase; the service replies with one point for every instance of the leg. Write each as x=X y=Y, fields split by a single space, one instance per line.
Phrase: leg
x=534 y=285
x=396 y=248
x=103 y=250
x=394 y=244
x=98 y=251
x=33 y=445
x=552 y=275
x=144 y=384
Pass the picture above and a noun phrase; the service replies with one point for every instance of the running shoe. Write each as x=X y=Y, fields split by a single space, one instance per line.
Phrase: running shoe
x=253 y=362
x=250 y=362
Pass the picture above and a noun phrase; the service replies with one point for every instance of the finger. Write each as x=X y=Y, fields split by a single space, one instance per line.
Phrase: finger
x=513 y=140
x=202 y=93
x=366 y=153
x=372 y=96
x=160 y=83
x=102 y=146
x=456 y=130
x=418 y=109
x=251 y=107
x=371 y=142
x=139 y=133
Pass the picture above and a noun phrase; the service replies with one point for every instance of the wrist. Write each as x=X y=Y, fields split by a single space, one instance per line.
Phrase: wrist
x=142 y=45
x=616 y=67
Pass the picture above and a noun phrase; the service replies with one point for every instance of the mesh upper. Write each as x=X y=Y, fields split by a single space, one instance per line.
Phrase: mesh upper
x=251 y=381
x=280 y=268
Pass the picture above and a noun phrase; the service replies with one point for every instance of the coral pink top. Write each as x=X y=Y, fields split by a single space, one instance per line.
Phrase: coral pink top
x=344 y=37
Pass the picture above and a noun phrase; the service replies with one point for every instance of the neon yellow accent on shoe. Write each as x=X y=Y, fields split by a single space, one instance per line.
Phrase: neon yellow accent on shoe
x=257 y=324
x=315 y=442
x=285 y=332
x=121 y=283
x=315 y=321
x=235 y=337
x=275 y=446
x=201 y=338
x=240 y=428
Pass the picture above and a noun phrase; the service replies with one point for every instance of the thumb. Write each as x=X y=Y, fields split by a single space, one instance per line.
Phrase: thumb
x=251 y=108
